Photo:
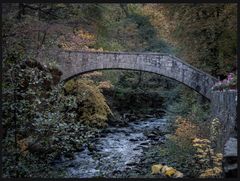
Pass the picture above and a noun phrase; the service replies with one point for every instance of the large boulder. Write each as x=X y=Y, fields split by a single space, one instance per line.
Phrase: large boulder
x=230 y=158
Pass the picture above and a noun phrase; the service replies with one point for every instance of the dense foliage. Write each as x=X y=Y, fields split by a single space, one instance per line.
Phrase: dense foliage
x=44 y=119
x=204 y=34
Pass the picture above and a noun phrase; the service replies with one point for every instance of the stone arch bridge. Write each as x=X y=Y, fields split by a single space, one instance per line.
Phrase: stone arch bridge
x=73 y=63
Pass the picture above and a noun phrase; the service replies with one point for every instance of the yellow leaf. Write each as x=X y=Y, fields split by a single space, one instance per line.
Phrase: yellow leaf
x=219 y=155
x=170 y=172
x=178 y=174
x=156 y=168
x=217 y=170
x=164 y=169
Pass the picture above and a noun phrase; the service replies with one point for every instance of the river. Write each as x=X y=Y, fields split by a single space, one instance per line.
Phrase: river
x=117 y=149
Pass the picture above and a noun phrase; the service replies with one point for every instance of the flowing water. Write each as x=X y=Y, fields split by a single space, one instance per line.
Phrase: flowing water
x=117 y=150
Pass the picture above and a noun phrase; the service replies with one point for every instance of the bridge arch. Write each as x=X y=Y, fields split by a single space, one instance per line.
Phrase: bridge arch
x=72 y=63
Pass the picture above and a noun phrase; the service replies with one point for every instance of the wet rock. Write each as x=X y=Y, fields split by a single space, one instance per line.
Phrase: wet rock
x=137 y=148
x=141 y=139
x=71 y=164
x=154 y=143
x=91 y=147
x=133 y=139
x=127 y=115
x=151 y=136
x=102 y=135
x=118 y=122
x=156 y=138
x=143 y=147
x=80 y=149
x=98 y=148
x=69 y=155
x=138 y=171
x=230 y=158
x=153 y=133
x=116 y=172
x=148 y=116
x=127 y=134
x=162 y=139
x=144 y=143
x=131 y=163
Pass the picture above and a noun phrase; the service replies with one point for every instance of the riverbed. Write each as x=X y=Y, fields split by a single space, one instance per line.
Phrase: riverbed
x=117 y=150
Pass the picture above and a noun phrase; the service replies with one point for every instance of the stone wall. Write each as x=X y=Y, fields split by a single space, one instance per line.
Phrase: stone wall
x=223 y=106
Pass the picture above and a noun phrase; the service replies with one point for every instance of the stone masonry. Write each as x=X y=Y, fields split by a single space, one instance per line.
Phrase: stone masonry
x=72 y=63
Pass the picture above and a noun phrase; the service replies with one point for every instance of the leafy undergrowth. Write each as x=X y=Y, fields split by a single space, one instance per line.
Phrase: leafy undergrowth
x=190 y=154
x=47 y=123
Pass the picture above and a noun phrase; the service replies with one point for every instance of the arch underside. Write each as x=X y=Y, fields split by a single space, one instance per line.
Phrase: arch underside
x=189 y=83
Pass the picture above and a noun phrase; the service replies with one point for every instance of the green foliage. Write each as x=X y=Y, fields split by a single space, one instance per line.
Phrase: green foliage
x=45 y=118
x=179 y=157
x=51 y=122
x=129 y=31
x=182 y=101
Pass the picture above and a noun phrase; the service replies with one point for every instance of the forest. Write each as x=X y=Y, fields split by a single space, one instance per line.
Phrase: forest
x=113 y=123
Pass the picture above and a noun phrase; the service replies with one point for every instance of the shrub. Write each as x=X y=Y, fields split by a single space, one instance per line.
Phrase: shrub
x=229 y=83
x=92 y=107
x=178 y=149
x=185 y=132
x=215 y=133
x=207 y=161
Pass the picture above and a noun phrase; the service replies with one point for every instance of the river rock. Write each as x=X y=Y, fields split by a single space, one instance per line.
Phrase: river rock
x=79 y=149
x=133 y=139
x=116 y=172
x=91 y=147
x=131 y=163
x=230 y=158
x=156 y=138
x=144 y=143
x=69 y=155
x=118 y=121
x=106 y=131
x=153 y=133
x=162 y=140
x=149 y=116
x=137 y=148
x=127 y=134
x=151 y=136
